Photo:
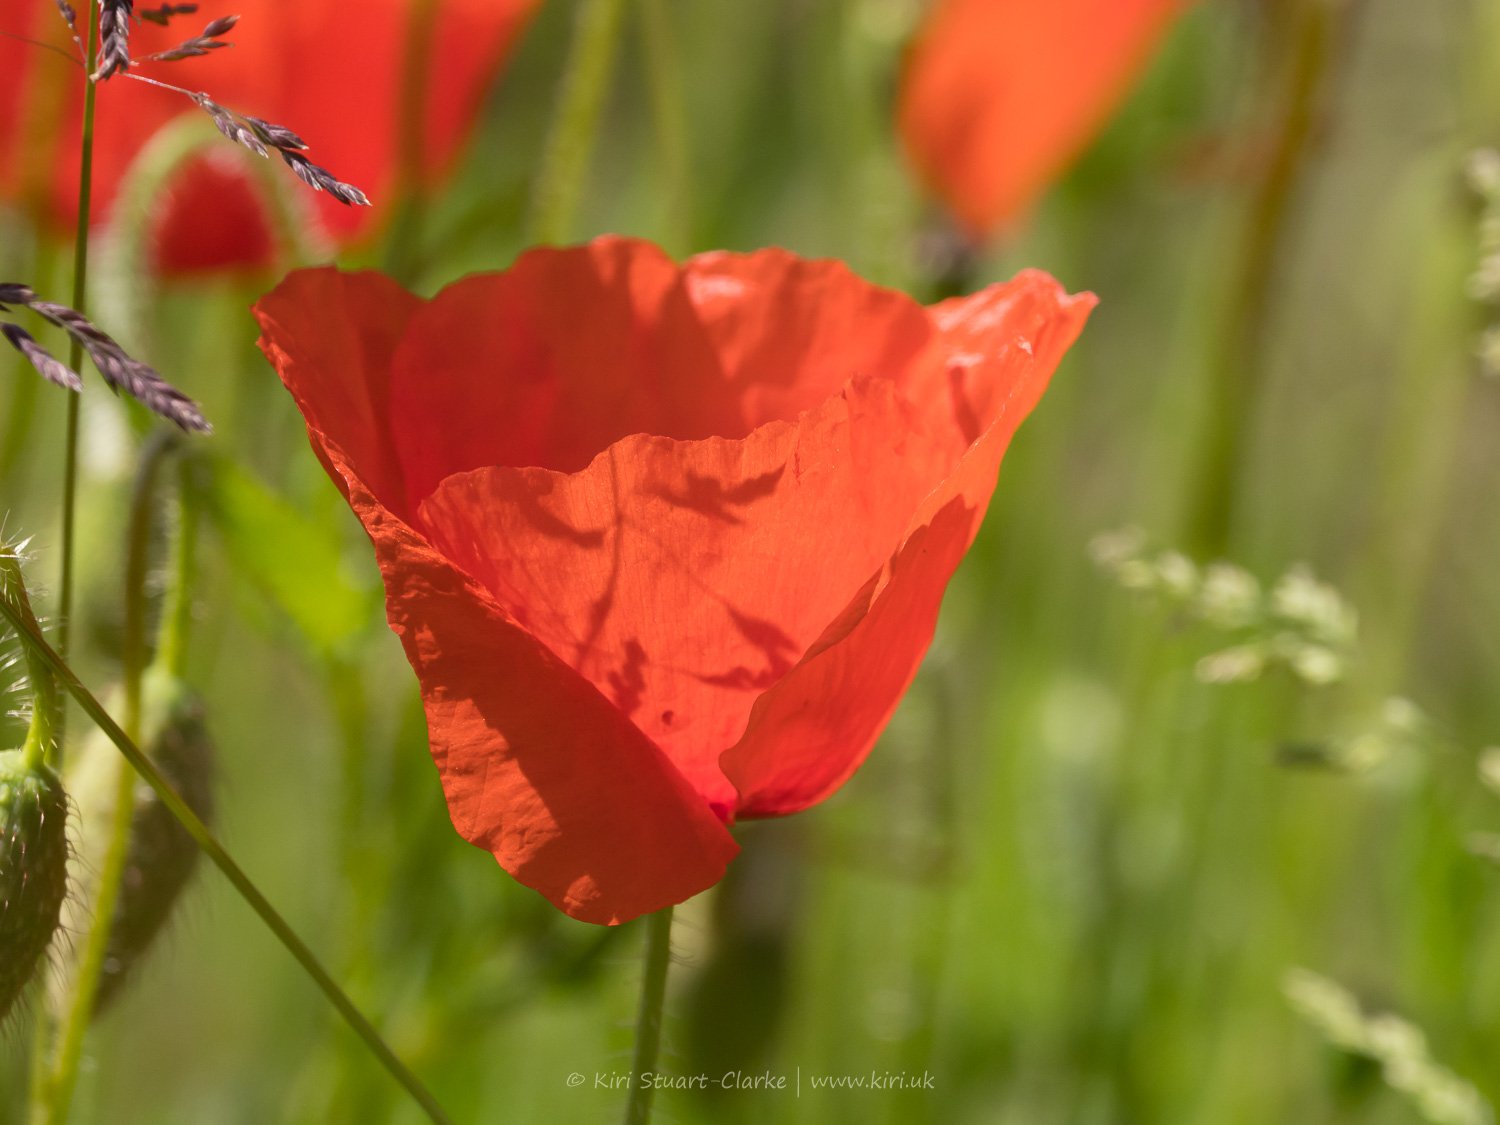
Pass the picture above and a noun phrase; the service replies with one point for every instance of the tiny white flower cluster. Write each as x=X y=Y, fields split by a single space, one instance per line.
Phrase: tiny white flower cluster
x=1486 y=845
x=1301 y=623
x=1398 y=1045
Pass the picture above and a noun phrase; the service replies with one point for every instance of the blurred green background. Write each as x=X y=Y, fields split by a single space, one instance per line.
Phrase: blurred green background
x=1072 y=881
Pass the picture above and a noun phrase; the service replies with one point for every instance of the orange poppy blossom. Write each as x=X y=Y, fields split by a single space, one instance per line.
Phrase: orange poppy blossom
x=329 y=72
x=664 y=543
x=999 y=96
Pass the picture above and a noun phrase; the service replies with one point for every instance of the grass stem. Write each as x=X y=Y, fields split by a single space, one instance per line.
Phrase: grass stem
x=1237 y=371
x=75 y=353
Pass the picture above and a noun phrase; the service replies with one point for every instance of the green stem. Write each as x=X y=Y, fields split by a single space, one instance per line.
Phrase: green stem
x=32 y=638
x=62 y=1077
x=591 y=58
x=75 y=353
x=177 y=612
x=664 y=85
x=648 y=1020
x=85 y=985
x=1237 y=368
x=134 y=649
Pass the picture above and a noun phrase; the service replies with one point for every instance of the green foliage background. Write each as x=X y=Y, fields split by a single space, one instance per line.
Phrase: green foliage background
x=1072 y=879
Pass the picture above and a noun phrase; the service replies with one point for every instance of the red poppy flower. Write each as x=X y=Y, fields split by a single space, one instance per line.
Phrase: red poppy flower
x=210 y=218
x=329 y=71
x=664 y=544
x=1000 y=95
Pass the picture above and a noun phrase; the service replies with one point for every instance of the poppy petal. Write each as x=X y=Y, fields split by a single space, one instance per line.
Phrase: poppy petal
x=684 y=579
x=537 y=767
x=330 y=336
x=814 y=727
x=495 y=369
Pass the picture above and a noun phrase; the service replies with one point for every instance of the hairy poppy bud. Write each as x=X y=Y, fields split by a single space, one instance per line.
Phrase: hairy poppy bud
x=33 y=868
x=161 y=854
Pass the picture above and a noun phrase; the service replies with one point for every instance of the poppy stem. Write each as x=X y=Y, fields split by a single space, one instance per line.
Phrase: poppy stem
x=177 y=612
x=35 y=644
x=648 y=1019
x=575 y=125
x=84 y=986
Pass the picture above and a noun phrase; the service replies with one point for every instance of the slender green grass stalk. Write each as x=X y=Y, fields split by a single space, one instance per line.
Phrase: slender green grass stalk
x=580 y=107
x=1236 y=372
x=648 y=1019
x=84 y=986
x=35 y=643
x=664 y=85
x=75 y=354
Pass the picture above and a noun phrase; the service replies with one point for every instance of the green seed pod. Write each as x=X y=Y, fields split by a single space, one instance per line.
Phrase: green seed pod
x=161 y=855
x=33 y=868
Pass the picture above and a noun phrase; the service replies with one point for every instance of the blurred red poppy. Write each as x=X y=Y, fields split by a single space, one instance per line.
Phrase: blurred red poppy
x=319 y=67
x=664 y=544
x=1000 y=95
x=211 y=217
